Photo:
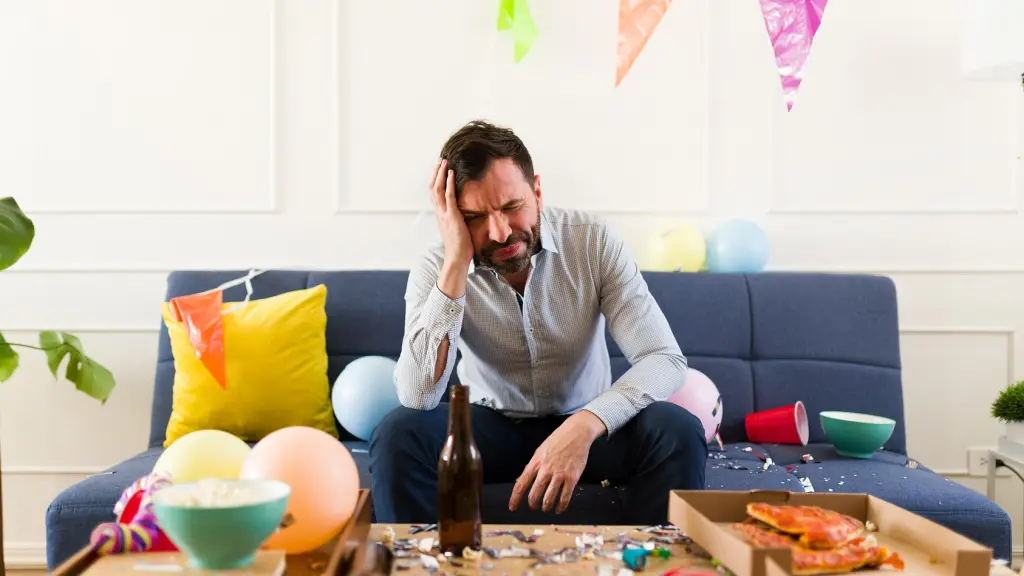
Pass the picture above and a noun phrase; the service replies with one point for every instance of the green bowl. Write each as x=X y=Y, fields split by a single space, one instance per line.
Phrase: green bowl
x=221 y=533
x=856 y=435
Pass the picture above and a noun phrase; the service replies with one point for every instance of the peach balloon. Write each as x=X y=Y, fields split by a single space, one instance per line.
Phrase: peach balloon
x=324 y=481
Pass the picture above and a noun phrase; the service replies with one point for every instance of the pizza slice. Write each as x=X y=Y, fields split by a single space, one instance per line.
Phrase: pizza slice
x=816 y=527
x=861 y=552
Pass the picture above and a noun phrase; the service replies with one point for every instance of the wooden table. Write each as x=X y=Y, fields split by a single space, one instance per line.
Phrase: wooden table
x=602 y=543
x=684 y=554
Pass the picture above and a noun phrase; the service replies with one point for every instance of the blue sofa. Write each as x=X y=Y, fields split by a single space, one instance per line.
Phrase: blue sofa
x=766 y=340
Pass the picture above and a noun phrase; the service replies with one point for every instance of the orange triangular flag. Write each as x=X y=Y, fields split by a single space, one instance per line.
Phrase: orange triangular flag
x=201 y=315
x=637 y=21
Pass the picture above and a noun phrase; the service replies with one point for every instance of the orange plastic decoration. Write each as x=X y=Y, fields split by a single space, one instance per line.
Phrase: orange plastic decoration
x=637 y=21
x=201 y=315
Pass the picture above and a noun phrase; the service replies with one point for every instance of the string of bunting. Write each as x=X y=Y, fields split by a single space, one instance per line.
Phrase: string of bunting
x=791 y=27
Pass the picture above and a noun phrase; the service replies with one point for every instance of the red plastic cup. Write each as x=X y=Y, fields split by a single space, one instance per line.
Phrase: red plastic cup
x=782 y=425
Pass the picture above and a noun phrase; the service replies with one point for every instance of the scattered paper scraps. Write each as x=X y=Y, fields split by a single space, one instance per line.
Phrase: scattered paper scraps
x=806 y=483
x=518 y=535
x=423 y=528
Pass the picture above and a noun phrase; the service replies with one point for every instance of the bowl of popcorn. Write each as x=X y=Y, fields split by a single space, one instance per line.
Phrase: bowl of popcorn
x=219 y=523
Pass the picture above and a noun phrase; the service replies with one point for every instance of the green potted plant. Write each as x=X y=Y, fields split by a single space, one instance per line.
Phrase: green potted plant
x=1009 y=408
x=17 y=232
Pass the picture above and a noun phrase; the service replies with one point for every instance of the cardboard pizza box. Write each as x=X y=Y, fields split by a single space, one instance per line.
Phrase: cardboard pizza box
x=927 y=548
x=341 y=556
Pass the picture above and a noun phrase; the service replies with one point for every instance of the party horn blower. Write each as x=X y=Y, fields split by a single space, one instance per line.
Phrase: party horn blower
x=782 y=425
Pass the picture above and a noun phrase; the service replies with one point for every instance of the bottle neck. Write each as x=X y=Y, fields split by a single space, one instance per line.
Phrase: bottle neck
x=458 y=413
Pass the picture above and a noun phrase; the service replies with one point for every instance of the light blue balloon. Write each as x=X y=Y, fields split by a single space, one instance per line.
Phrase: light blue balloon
x=364 y=393
x=738 y=246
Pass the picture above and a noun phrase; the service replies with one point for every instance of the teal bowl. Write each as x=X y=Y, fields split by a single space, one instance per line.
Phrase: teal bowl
x=856 y=435
x=221 y=524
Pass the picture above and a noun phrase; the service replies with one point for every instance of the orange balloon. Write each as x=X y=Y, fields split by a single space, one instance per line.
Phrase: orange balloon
x=324 y=481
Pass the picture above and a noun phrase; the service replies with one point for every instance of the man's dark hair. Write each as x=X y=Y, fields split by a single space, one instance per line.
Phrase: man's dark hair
x=472 y=148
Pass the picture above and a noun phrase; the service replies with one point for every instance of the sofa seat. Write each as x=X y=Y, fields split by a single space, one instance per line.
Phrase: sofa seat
x=889 y=475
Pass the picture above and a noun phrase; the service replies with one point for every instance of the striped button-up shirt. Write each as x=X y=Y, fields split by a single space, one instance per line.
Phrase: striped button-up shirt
x=544 y=352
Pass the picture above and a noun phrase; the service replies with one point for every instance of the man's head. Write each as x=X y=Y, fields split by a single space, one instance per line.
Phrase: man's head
x=498 y=194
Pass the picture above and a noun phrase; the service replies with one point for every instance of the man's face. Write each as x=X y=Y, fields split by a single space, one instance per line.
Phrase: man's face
x=502 y=212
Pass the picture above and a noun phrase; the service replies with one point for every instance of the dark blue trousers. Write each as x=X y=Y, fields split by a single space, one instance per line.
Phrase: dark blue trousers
x=659 y=450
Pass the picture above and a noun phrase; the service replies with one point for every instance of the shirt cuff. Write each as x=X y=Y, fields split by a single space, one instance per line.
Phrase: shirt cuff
x=441 y=314
x=612 y=408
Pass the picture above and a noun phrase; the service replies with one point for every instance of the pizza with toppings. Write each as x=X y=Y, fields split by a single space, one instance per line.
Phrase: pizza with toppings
x=861 y=552
x=817 y=528
x=822 y=541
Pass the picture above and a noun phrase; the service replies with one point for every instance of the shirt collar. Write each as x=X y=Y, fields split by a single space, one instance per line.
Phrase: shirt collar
x=548 y=243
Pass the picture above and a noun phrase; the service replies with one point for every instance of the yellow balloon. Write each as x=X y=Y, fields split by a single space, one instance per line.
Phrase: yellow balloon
x=678 y=248
x=203 y=454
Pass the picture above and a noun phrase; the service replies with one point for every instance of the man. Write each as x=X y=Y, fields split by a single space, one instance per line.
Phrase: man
x=524 y=292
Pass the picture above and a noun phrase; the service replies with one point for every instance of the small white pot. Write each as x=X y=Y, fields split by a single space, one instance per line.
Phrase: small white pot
x=1015 y=432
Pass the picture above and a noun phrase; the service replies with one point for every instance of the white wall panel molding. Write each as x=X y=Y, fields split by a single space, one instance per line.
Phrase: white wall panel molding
x=843 y=151
x=935 y=368
x=1007 y=332
x=858 y=212
x=666 y=201
x=135 y=98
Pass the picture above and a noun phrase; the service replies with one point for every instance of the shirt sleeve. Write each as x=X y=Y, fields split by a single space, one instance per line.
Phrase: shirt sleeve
x=640 y=329
x=430 y=316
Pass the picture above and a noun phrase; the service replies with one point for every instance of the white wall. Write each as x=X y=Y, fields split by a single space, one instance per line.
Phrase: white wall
x=149 y=135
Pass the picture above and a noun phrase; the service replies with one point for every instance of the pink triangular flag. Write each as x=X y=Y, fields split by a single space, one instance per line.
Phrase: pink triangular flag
x=637 y=21
x=791 y=27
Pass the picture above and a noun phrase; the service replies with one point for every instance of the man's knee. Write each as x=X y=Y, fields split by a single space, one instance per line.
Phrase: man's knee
x=674 y=428
x=400 y=427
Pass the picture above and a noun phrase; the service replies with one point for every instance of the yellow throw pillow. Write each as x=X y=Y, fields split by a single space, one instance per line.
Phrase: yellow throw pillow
x=275 y=355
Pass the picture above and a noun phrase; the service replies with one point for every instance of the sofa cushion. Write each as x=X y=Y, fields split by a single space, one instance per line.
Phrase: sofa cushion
x=181 y=283
x=274 y=357
x=831 y=340
x=823 y=385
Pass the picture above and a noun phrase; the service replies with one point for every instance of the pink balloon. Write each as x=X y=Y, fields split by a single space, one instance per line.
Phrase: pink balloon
x=700 y=397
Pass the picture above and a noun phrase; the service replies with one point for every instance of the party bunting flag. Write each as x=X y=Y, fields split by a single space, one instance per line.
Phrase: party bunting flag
x=201 y=315
x=637 y=21
x=515 y=15
x=791 y=27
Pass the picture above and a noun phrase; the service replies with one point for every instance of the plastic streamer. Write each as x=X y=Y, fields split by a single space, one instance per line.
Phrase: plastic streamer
x=142 y=532
x=791 y=26
x=201 y=314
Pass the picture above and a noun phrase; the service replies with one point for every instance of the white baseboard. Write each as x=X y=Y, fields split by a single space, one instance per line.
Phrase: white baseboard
x=25 y=555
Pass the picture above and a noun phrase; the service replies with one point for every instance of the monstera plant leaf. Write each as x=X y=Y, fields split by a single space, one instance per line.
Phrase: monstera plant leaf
x=16 y=233
x=90 y=377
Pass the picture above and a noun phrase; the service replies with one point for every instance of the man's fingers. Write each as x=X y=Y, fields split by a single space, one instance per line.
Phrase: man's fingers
x=438 y=185
x=431 y=183
x=539 y=486
x=522 y=482
x=551 y=494
x=449 y=191
x=567 y=490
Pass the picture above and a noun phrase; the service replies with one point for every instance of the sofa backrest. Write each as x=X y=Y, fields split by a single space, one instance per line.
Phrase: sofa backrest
x=766 y=340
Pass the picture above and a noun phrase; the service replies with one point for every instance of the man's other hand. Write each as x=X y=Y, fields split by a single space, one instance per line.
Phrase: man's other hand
x=557 y=464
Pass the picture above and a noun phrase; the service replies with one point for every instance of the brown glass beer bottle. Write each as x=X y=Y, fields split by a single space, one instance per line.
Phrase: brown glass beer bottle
x=459 y=480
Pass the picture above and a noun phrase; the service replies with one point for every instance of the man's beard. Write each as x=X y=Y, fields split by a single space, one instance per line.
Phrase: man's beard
x=520 y=261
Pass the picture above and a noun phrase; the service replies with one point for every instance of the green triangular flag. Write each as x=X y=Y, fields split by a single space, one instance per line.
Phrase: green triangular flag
x=515 y=15
x=506 y=14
